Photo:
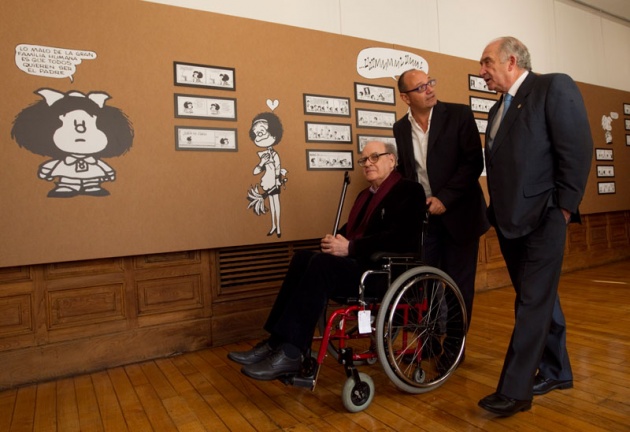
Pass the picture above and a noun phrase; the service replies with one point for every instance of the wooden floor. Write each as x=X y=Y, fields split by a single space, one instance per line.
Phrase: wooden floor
x=203 y=391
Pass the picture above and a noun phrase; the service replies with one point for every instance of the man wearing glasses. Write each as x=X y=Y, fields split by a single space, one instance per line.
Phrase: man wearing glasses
x=439 y=147
x=385 y=217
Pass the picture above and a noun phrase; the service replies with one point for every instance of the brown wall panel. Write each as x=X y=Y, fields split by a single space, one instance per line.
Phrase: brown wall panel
x=164 y=200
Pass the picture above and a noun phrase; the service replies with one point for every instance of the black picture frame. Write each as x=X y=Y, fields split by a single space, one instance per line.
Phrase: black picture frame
x=626 y=109
x=339 y=133
x=195 y=138
x=204 y=76
x=481 y=105
x=482 y=125
x=329 y=160
x=606 y=188
x=605 y=171
x=478 y=84
x=363 y=139
x=326 y=105
x=204 y=107
x=604 y=154
x=377 y=94
x=377 y=119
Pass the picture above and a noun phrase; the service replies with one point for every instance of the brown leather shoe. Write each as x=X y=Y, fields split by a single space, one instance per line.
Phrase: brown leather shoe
x=544 y=385
x=504 y=406
x=261 y=351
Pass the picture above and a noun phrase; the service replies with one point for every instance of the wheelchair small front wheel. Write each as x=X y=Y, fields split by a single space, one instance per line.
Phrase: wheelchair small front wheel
x=357 y=396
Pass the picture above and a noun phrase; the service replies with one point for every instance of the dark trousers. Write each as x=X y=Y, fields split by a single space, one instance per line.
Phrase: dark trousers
x=312 y=278
x=459 y=261
x=539 y=337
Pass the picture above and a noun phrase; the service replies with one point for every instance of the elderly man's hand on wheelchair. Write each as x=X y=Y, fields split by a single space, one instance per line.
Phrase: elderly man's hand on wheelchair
x=337 y=245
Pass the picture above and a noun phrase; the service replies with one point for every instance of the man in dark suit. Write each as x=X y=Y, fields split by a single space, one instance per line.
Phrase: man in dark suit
x=385 y=217
x=538 y=157
x=439 y=146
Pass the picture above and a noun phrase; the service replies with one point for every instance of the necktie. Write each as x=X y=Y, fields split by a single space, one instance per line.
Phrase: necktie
x=507 y=100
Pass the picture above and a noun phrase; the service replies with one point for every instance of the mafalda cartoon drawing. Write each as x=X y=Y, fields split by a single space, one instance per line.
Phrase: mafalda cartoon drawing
x=76 y=131
x=266 y=132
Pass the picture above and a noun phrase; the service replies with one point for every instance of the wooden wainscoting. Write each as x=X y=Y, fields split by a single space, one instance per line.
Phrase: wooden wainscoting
x=63 y=319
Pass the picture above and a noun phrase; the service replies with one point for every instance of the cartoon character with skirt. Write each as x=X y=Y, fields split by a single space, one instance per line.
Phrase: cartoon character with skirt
x=266 y=132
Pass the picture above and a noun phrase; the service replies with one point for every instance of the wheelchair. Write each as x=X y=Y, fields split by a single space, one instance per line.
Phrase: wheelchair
x=416 y=331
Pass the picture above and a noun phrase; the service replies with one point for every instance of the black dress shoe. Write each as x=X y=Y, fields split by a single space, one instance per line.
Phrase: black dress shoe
x=274 y=366
x=261 y=351
x=544 y=385
x=504 y=406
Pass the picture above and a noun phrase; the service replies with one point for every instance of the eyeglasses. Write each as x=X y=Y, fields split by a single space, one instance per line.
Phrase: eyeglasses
x=372 y=158
x=422 y=87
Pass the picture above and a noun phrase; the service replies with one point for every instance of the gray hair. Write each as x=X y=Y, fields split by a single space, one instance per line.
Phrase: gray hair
x=511 y=46
x=391 y=148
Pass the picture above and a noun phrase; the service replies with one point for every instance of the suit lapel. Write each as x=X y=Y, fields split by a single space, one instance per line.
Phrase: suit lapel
x=512 y=113
x=438 y=120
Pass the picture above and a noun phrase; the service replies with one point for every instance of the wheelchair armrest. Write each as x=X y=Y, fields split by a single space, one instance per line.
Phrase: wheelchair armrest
x=393 y=256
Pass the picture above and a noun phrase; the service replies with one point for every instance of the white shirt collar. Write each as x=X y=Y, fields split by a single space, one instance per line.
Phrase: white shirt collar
x=517 y=84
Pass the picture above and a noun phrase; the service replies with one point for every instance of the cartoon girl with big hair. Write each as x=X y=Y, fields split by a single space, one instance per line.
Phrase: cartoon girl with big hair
x=76 y=131
x=266 y=132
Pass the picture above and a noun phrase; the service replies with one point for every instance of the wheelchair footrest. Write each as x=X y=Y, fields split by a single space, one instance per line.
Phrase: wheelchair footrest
x=304 y=382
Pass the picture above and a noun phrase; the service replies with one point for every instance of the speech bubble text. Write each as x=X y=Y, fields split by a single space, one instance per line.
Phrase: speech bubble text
x=387 y=62
x=50 y=62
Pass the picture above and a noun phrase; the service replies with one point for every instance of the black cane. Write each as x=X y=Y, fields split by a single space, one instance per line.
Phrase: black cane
x=346 y=182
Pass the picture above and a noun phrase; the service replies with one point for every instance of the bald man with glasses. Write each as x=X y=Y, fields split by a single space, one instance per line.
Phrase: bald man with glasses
x=386 y=217
x=439 y=147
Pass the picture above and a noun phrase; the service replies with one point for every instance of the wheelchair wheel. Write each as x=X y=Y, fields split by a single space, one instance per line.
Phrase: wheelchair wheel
x=357 y=396
x=421 y=329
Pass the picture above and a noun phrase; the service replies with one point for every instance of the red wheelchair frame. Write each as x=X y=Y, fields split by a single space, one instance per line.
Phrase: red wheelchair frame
x=418 y=334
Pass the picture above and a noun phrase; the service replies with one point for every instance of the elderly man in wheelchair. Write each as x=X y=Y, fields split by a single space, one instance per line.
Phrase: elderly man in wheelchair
x=409 y=316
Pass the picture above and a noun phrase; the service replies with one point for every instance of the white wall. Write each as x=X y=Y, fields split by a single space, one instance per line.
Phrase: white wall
x=561 y=35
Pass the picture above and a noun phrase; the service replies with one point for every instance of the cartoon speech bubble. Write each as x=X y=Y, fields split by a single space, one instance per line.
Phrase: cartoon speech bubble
x=50 y=62
x=387 y=62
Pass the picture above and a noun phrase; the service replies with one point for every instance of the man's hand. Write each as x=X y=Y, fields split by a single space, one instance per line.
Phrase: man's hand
x=435 y=206
x=567 y=215
x=337 y=245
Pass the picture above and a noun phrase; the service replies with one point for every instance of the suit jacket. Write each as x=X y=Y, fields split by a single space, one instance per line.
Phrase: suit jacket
x=454 y=163
x=540 y=156
x=395 y=224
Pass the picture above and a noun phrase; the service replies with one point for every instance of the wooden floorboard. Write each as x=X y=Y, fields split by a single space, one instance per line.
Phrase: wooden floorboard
x=204 y=391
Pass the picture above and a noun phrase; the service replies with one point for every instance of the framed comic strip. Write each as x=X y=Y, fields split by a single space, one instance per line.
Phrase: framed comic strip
x=328 y=132
x=605 y=171
x=604 y=188
x=604 y=154
x=329 y=160
x=326 y=105
x=201 y=138
x=204 y=107
x=627 y=124
x=197 y=75
x=482 y=105
x=482 y=125
x=476 y=83
x=362 y=140
x=374 y=94
x=626 y=109
x=375 y=118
